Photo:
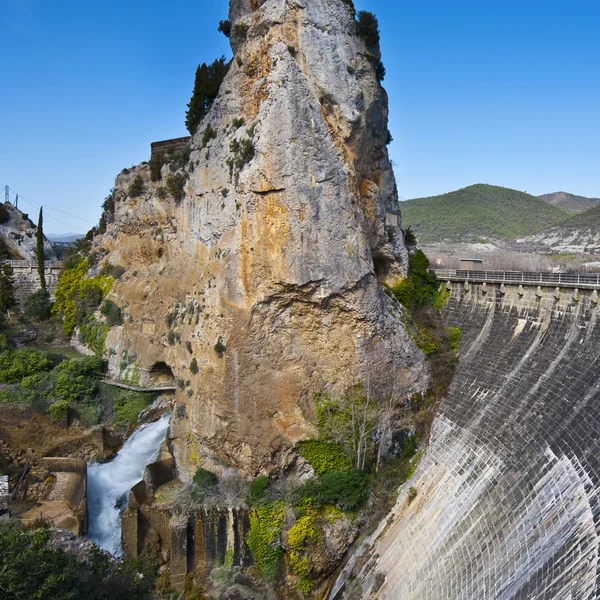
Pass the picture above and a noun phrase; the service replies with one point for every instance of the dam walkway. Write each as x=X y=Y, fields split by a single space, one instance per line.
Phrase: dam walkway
x=126 y=385
x=569 y=280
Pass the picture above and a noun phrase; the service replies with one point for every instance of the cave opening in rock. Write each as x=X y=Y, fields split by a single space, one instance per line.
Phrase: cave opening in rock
x=382 y=267
x=161 y=373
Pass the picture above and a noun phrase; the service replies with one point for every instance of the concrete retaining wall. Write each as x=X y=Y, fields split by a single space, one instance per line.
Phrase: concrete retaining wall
x=194 y=543
x=66 y=504
x=507 y=502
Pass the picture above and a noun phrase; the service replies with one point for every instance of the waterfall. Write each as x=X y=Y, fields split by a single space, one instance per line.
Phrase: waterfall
x=108 y=485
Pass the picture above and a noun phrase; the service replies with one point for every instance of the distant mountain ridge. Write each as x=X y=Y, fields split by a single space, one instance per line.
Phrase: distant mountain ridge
x=479 y=211
x=570 y=202
x=64 y=237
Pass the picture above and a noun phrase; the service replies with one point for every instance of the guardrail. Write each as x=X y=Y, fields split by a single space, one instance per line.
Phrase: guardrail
x=582 y=280
x=127 y=385
x=51 y=264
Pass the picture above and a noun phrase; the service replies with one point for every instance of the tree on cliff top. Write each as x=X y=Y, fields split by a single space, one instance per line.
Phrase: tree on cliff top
x=367 y=27
x=39 y=249
x=206 y=87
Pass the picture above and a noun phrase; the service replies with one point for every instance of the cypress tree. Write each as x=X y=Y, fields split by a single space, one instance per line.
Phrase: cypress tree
x=7 y=287
x=39 y=250
x=206 y=87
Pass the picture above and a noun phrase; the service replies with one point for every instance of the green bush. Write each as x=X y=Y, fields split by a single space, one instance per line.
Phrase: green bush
x=4 y=214
x=204 y=482
x=410 y=447
x=243 y=152
x=175 y=185
x=114 y=271
x=264 y=538
x=346 y=490
x=57 y=410
x=454 y=335
x=420 y=288
x=194 y=366
x=77 y=297
x=88 y=414
x=93 y=334
x=426 y=343
x=324 y=456
x=38 y=305
x=179 y=159
x=17 y=364
x=31 y=569
x=157 y=161
x=137 y=187
x=340 y=422
x=205 y=479
x=404 y=292
x=209 y=134
x=112 y=312
x=128 y=405
x=258 y=488
x=76 y=380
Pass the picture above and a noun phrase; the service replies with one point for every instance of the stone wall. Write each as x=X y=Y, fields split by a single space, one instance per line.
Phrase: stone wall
x=506 y=501
x=27 y=279
x=169 y=145
x=194 y=543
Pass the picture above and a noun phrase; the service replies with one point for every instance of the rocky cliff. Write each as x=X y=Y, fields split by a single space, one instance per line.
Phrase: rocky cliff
x=260 y=283
x=17 y=236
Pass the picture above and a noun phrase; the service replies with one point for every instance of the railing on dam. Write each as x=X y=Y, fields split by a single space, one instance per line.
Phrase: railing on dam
x=581 y=280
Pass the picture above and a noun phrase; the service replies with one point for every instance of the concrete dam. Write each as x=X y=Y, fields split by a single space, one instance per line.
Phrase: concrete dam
x=505 y=501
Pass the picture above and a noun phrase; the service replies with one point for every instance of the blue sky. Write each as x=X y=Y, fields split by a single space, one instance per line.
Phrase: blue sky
x=503 y=93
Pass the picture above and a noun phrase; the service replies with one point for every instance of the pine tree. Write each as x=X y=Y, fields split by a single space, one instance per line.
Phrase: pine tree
x=39 y=249
x=206 y=87
x=7 y=288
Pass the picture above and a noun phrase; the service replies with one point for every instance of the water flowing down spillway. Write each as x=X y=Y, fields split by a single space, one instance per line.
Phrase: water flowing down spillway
x=109 y=484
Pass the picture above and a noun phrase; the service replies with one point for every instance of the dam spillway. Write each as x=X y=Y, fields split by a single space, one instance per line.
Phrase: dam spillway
x=110 y=483
x=506 y=499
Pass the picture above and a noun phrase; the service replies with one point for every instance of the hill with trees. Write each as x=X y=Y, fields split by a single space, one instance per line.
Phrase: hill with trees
x=479 y=212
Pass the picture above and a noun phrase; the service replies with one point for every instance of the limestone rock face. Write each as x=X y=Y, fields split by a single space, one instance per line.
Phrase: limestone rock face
x=288 y=226
x=17 y=237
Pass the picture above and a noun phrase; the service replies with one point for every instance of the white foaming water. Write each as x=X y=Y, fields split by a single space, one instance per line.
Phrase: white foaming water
x=108 y=485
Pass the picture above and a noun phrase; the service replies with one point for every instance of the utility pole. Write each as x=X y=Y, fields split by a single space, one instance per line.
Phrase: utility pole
x=17 y=201
x=6 y=196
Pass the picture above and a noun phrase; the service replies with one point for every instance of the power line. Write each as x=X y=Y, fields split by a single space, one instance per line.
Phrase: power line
x=48 y=207
x=49 y=216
